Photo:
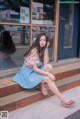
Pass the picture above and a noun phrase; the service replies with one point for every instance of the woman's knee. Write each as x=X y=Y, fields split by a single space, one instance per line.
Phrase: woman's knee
x=46 y=79
x=48 y=67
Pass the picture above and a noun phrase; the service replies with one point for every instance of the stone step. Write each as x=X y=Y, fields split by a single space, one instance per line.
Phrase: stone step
x=26 y=97
x=7 y=86
x=60 y=66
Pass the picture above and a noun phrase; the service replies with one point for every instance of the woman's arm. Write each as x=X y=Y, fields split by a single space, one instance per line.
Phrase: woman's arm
x=36 y=69
x=46 y=56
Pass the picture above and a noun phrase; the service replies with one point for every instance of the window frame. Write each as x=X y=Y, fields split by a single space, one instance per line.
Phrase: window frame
x=55 y=47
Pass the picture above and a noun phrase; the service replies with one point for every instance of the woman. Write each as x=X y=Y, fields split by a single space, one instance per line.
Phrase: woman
x=36 y=70
x=7 y=47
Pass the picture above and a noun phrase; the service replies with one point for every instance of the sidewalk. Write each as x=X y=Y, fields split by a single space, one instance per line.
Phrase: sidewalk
x=48 y=108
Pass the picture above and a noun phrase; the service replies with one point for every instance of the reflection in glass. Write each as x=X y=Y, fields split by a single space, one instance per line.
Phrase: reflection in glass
x=50 y=32
x=7 y=48
x=20 y=35
x=69 y=26
x=14 y=11
x=43 y=12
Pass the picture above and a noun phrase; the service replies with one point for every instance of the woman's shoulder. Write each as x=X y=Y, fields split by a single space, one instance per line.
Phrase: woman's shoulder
x=34 y=50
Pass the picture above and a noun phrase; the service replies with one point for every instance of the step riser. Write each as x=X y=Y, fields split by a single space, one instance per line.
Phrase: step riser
x=37 y=97
x=67 y=74
x=10 y=89
x=16 y=88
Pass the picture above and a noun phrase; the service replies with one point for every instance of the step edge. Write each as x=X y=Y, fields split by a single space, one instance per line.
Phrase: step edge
x=56 y=75
x=5 y=90
x=37 y=97
x=32 y=93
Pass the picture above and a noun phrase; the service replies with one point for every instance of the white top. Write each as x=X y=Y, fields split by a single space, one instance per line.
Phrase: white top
x=33 y=58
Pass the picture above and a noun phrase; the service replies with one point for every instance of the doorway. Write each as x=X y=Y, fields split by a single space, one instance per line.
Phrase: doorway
x=68 y=31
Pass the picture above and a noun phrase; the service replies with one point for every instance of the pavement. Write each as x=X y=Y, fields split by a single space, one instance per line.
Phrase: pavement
x=49 y=108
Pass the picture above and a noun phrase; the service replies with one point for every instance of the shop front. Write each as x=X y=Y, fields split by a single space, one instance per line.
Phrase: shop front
x=25 y=19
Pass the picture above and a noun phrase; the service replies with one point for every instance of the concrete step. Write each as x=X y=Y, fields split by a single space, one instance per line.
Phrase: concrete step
x=12 y=96
x=26 y=97
x=60 y=66
x=49 y=108
x=7 y=86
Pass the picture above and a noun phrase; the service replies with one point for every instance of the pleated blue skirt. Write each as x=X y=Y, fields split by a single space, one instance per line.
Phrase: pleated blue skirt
x=27 y=78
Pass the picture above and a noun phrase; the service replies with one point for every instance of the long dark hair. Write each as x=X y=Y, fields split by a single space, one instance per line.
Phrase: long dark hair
x=36 y=45
x=6 y=43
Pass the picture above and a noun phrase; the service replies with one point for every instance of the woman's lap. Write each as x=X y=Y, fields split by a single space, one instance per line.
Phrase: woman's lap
x=27 y=78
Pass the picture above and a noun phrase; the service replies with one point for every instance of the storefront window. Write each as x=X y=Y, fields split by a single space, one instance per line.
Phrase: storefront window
x=16 y=11
x=69 y=26
x=13 y=55
x=50 y=32
x=43 y=12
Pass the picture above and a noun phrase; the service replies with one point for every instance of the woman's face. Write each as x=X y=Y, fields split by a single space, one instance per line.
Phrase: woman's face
x=42 y=41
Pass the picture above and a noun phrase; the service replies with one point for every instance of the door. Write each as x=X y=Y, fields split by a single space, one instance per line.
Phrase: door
x=68 y=31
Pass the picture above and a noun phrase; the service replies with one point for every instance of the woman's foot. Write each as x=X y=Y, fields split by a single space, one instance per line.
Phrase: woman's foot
x=43 y=89
x=68 y=103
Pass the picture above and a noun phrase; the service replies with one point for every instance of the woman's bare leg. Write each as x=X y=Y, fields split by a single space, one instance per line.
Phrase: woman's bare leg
x=55 y=90
x=42 y=87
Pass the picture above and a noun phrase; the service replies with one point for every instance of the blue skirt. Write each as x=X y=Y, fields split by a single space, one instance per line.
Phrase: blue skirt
x=27 y=78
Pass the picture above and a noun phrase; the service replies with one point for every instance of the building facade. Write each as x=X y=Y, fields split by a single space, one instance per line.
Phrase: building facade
x=25 y=19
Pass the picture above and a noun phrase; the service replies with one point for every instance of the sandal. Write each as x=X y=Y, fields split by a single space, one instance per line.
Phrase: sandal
x=68 y=104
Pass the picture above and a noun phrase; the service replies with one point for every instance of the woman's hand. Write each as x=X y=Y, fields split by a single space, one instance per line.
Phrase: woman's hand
x=51 y=76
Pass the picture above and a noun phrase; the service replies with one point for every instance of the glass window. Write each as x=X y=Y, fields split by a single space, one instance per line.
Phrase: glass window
x=50 y=32
x=43 y=12
x=20 y=42
x=69 y=26
x=16 y=11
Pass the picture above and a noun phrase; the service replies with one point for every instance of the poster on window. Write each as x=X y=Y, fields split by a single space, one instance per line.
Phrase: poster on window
x=24 y=15
x=37 y=13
